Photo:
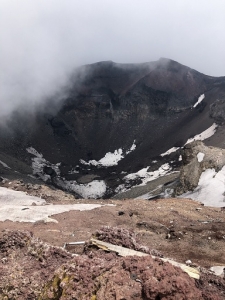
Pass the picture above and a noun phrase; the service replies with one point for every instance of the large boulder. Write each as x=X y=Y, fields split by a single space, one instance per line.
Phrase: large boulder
x=197 y=158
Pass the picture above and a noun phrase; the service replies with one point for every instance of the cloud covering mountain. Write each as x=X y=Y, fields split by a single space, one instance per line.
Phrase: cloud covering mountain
x=43 y=41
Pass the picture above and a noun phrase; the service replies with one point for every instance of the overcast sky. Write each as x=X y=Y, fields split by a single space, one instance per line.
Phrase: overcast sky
x=42 y=41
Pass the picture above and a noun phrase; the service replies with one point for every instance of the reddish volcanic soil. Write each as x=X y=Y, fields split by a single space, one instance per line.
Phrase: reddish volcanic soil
x=180 y=229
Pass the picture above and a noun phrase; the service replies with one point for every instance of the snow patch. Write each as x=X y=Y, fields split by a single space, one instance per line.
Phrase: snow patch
x=11 y=197
x=147 y=176
x=210 y=189
x=204 y=135
x=110 y=158
x=74 y=171
x=17 y=207
x=94 y=189
x=38 y=213
x=132 y=148
x=39 y=162
x=218 y=270
x=34 y=152
x=171 y=150
x=4 y=165
x=199 y=137
x=199 y=100
x=200 y=156
x=121 y=188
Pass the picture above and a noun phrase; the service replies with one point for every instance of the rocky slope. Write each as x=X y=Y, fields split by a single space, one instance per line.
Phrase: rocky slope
x=118 y=126
x=133 y=112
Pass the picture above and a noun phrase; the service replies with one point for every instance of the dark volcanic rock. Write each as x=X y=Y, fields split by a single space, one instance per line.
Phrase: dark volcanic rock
x=217 y=111
x=109 y=106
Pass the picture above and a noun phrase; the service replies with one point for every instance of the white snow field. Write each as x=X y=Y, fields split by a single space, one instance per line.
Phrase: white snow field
x=210 y=189
x=17 y=206
x=94 y=189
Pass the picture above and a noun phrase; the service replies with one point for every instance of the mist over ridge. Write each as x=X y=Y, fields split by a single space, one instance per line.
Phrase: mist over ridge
x=42 y=43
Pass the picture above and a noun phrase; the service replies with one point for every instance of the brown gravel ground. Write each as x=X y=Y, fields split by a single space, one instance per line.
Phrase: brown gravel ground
x=181 y=229
x=33 y=270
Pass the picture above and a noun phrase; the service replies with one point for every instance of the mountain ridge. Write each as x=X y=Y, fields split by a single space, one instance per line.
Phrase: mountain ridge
x=110 y=106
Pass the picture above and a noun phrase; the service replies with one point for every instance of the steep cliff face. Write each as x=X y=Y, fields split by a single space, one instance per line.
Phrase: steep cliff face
x=110 y=107
x=197 y=158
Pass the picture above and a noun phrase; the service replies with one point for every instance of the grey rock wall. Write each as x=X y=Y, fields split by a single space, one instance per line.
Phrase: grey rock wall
x=197 y=157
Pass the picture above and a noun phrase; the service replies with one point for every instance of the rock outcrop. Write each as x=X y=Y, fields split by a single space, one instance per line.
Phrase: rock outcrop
x=217 y=111
x=196 y=158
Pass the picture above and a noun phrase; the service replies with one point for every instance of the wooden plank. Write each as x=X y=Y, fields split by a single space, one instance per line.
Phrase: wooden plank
x=122 y=251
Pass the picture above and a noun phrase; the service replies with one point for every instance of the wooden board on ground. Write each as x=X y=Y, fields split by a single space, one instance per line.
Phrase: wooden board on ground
x=122 y=251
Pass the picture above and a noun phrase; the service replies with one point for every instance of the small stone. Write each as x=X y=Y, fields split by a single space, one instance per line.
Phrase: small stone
x=120 y=213
x=188 y=262
x=4 y=260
